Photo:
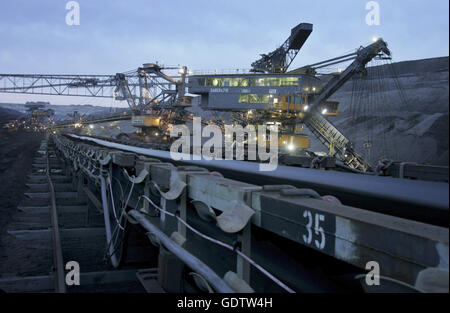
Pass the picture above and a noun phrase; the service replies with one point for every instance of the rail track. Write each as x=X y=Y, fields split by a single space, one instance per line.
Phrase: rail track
x=135 y=222
x=61 y=236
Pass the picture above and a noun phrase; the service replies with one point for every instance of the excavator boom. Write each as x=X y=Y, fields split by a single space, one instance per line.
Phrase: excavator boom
x=278 y=61
x=323 y=129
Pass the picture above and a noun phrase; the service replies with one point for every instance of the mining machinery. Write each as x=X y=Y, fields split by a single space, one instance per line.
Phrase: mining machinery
x=279 y=60
x=154 y=97
x=291 y=100
x=39 y=117
x=322 y=128
x=38 y=113
x=267 y=94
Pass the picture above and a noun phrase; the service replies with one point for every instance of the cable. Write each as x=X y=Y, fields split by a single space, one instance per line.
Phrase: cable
x=220 y=243
x=129 y=195
x=113 y=205
x=115 y=232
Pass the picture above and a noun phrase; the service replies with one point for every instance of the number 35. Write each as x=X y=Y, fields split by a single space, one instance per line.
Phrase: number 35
x=318 y=230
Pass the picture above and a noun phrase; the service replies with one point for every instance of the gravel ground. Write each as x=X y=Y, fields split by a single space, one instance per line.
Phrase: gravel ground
x=17 y=150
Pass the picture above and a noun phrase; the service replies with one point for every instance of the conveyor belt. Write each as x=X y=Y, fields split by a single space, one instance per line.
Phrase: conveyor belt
x=417 y=200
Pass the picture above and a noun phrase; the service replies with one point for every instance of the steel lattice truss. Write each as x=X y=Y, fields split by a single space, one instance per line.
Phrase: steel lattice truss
x=103 y=86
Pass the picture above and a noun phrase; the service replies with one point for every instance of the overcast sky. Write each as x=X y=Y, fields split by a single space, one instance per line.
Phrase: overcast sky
x=115 y=36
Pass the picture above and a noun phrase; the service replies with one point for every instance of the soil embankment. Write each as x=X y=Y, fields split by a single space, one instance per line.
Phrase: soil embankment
x=17 y=149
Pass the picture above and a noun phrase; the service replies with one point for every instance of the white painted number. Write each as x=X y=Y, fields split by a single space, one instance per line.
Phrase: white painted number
x=318 y=230
x=308 y=227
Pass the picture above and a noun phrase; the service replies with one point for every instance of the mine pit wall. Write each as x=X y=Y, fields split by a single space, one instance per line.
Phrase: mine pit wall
x=415 y=131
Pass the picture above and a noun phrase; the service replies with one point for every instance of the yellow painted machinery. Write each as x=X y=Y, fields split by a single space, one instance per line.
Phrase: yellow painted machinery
x=298 y=103
x=293 y=142
x=145 y=121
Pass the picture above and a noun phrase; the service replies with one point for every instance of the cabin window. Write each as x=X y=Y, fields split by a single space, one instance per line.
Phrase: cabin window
x=201 y=81
x=234 y=82
x=243 y=82
x=273 y=82
x=253 y=98
x=289 y=81
x=243 y=98
x=252 y=82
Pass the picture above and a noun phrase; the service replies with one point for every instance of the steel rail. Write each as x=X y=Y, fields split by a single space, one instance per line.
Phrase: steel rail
x=222 y=244
x=423 y=201
x=218 y=284
x=58 y=262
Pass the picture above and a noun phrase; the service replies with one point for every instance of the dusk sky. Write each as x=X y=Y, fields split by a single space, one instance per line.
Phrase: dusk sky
x=115 y=36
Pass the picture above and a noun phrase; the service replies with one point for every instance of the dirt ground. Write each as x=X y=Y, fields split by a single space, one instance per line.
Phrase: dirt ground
x=17 y=150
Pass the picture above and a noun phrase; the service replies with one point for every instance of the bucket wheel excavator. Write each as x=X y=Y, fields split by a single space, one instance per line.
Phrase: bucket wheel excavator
x=158 y=100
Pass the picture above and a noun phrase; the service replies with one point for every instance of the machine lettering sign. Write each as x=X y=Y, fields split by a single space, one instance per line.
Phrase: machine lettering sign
x=219 y=90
